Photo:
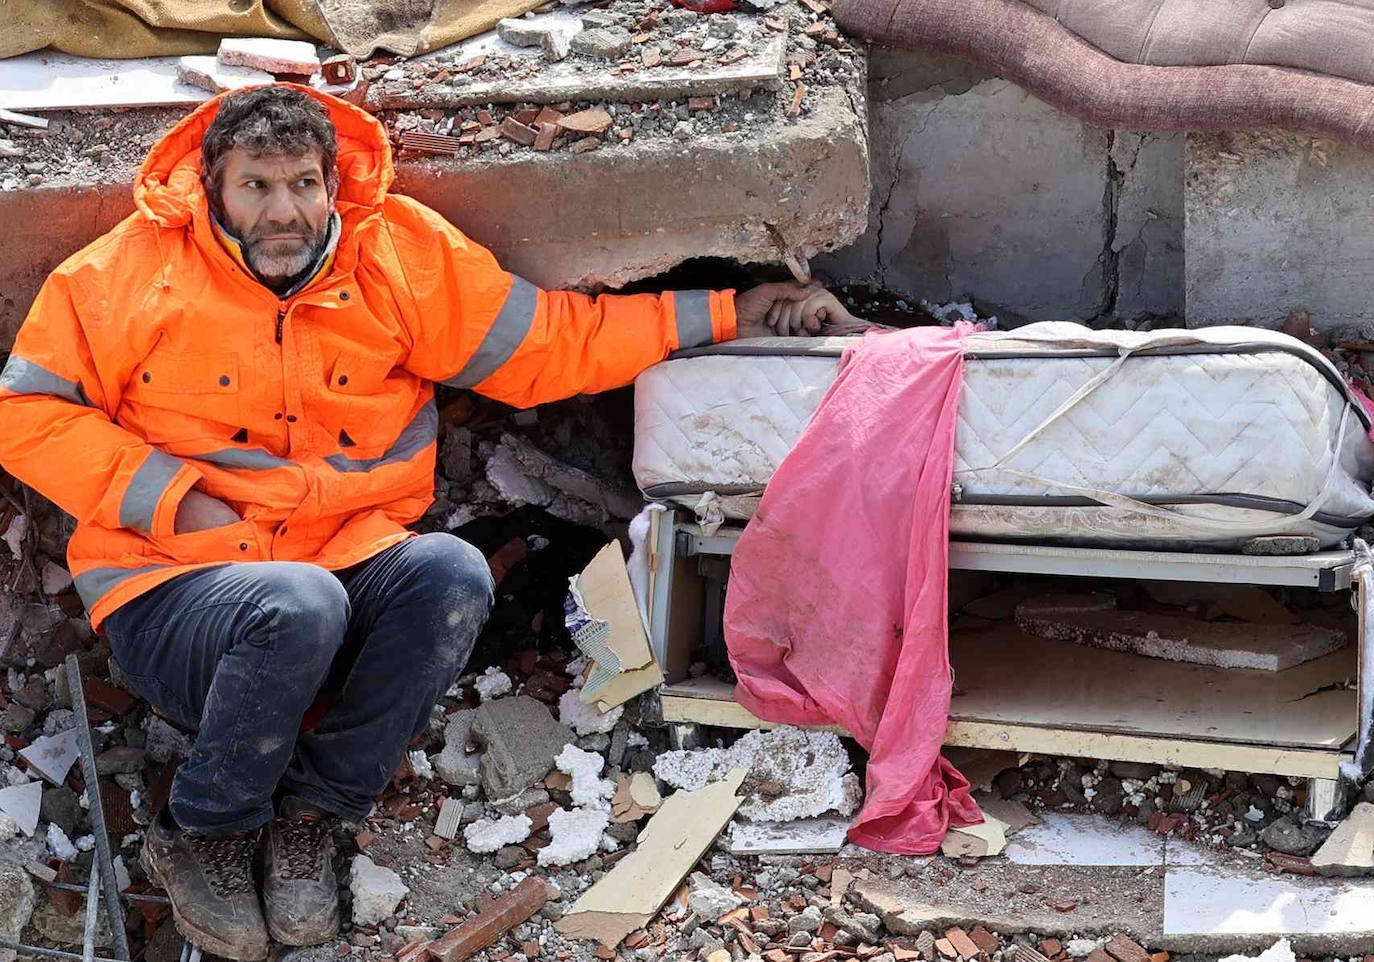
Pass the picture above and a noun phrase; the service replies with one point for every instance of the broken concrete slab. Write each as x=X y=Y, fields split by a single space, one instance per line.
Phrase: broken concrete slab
x=531 y=31
x=567 y=81
x=23 y=804
x=208 y=73
x=521 y=741
x=1263 y=647
x=709 y=899
x=607 y=43
x=1084 y=840
x=274 y=56
x=1350 y=848
x=803 y=836
x=49 y=80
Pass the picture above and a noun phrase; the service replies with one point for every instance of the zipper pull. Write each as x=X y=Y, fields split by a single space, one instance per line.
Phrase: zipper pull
x=281 y=320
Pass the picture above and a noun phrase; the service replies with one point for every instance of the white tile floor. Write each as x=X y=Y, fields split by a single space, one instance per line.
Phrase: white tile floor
x=1084 y=840
x=1198 y=901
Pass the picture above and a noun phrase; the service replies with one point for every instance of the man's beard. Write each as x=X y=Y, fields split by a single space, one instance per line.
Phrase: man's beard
x=277 y=262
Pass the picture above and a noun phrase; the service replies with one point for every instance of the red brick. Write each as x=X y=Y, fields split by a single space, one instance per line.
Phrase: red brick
x=985 y=940
x=964 y=945
x=492 y=922
x=1123 y=949
x=104 y=695
x=593 y=120
x=523 y=135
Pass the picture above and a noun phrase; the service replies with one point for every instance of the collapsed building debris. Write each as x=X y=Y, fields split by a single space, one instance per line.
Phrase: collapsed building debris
x=792 y=773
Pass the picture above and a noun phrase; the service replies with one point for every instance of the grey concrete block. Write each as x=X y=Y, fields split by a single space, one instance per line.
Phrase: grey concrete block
x=982 y=191
x=1277 y=222
x=521 y=740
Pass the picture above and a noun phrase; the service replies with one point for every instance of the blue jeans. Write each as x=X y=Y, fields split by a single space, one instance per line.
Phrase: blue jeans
x=240 y=652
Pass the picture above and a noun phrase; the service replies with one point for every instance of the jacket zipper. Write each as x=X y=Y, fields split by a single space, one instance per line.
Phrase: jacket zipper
x=281 y=320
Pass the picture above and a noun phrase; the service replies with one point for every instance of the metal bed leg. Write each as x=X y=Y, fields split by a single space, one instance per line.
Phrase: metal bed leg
x=1362 y=588
x=1325 y=800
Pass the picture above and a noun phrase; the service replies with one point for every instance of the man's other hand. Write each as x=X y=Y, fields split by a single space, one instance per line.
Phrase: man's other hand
x=793 y=309
x=198 y=511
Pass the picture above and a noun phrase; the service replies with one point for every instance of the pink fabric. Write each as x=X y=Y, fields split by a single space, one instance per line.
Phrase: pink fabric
x=836 y=612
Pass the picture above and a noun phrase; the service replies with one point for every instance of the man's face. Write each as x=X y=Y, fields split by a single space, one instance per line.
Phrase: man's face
x=278 y=207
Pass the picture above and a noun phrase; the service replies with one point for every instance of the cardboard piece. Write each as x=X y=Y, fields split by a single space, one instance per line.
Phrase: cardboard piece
x=21 y=803
x=632 y=892
x=1013 y=815
x=980 y=841
x=635 y=796
x=612 y=635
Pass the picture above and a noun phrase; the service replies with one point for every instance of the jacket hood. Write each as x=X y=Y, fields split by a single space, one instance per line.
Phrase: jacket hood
x=167 y=189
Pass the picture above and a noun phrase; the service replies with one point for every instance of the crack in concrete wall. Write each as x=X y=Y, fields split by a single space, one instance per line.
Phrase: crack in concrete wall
x=982 y=192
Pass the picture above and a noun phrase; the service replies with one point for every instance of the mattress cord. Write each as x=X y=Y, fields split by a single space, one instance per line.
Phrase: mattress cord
x=1237 y=528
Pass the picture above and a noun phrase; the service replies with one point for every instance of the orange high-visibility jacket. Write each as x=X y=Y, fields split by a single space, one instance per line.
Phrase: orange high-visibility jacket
x=151 y=362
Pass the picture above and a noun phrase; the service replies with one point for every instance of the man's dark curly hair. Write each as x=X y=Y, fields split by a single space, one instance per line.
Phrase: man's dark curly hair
x=267 y=122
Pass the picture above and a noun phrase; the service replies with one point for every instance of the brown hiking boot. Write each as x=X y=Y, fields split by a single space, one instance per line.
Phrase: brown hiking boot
x=300 y=894
x=209 y=880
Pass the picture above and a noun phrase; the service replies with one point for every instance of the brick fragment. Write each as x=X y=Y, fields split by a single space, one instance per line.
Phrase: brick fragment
x=593 y=120
x=704 y=105
x=521 y=134
x=1051 y=947
x=1124 y=949
x=798 y=96
x=651 y=57
x=102 y=694
x=946 y=948
x=586 y=144
x=985 y=940
x=964 y=945
x=492 y=922
x=1097 y=955
x=341 y=69
x=686 y=55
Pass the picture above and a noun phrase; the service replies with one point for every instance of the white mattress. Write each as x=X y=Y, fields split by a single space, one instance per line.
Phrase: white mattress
x=1176 y=438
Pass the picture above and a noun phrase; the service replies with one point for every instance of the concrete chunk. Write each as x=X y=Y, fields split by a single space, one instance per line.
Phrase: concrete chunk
x=1350 y=848
x=454 y=764
x=17 y=902
x=273 y=56
x=376 y=891
x=608 y=43
x=521 y=740
x=208 y=73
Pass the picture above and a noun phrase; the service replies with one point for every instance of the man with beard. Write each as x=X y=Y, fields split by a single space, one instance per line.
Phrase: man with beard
x=232 y=392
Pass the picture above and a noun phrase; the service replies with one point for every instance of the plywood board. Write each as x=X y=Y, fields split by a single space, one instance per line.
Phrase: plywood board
x=1008 y=676
x=632 y=892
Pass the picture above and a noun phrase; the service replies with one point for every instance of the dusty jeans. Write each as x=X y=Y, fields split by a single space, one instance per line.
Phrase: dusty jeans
x=240 y=652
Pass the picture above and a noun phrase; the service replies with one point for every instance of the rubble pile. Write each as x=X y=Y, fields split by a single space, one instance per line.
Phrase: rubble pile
x=613 y=52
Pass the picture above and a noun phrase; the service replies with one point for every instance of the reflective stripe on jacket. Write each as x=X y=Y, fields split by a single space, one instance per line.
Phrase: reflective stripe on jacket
x=151 y=362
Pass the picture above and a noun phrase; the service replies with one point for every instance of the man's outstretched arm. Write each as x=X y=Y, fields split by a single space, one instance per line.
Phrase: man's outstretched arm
x=477 y=326
x=56 y=436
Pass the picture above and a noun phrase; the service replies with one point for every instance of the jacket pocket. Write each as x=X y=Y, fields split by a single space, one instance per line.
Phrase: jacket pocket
x=230 y=542
x=178 y=396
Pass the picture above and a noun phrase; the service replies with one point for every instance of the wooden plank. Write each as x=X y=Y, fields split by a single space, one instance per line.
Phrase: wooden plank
x=632 y=892
x=1182 y=753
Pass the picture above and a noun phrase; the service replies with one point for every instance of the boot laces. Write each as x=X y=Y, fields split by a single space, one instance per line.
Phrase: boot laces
x=227 y=861
x=301 y=842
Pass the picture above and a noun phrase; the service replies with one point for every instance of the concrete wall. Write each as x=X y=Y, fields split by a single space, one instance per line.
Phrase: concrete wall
x=982 y=191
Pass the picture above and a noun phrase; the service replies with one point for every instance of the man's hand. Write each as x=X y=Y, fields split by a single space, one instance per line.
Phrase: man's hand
x=198 y=511
x=793 y=309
